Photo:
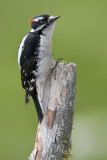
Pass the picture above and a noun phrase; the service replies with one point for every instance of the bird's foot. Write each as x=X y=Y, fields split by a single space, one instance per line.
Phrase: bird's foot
x=54 y=68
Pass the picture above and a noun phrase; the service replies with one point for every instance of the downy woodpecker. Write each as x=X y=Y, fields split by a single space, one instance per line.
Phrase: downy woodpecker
x=35 y=59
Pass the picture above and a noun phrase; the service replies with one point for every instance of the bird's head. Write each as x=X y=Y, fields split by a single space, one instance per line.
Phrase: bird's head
x=44 y=23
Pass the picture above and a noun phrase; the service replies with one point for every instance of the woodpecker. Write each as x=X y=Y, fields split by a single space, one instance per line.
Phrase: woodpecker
x=35 y=59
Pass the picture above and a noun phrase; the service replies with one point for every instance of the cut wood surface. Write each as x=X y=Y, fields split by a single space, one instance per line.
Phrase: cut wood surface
x=54 y=133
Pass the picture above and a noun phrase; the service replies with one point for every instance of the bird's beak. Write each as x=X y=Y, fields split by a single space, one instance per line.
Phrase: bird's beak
x=52 y=19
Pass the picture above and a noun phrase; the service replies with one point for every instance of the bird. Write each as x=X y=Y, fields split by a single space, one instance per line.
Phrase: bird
x=35 y=59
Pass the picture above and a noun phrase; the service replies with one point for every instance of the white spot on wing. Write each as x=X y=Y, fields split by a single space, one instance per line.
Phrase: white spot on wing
x=31 y=88
x=24 y=82
x=33 y=72
x=32 y=80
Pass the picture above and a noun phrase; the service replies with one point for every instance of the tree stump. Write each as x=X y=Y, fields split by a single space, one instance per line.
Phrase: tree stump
x=54 y=133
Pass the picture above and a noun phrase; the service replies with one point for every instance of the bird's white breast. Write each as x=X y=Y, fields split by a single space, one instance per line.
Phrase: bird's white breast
x=45 y=61
x=45 y=58
x=45 y=55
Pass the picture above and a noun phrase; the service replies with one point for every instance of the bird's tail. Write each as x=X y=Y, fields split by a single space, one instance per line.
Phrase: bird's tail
x=37 y=105
x=27 y=97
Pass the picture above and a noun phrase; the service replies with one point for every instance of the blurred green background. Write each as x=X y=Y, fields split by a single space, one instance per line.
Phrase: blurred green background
x=81 y=37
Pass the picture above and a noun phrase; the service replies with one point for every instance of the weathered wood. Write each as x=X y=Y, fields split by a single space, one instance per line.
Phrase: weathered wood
x=54 y=133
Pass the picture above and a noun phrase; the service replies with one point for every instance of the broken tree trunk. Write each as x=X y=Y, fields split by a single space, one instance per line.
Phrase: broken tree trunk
x=54 y=133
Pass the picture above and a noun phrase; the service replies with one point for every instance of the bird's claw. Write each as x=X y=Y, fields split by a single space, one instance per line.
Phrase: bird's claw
x=56 y=64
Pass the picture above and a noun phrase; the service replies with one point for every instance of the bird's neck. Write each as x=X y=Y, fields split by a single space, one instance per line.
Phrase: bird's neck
x=48 y=31
x=46 y=44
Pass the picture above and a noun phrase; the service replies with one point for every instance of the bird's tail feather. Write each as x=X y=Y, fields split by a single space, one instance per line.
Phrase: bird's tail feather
x=37 y=105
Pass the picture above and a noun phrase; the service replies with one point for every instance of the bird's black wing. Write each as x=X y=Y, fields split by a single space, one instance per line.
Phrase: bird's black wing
x=28 y=63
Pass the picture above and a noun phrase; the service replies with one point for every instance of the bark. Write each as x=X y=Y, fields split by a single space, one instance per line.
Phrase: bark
x=54 y=133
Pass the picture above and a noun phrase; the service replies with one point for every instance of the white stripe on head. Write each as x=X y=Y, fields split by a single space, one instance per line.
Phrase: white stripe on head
x=38 y=18
x=51 y=17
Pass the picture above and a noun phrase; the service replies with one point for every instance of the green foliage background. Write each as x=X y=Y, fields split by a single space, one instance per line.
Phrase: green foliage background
x=81 y=37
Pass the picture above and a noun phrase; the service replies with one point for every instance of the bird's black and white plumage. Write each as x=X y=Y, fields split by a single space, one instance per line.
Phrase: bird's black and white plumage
x=35 y=59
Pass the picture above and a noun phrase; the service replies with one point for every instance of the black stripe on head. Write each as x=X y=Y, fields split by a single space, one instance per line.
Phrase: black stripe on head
x=39 y=21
